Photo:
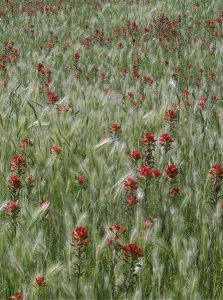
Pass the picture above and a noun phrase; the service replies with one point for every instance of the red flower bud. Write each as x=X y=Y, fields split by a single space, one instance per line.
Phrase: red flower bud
x=171 y=171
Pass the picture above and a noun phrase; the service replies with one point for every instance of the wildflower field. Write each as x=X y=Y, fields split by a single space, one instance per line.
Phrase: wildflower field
x=111 y=149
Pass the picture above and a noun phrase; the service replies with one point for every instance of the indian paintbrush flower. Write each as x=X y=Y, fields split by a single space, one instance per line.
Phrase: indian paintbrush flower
x=135 y=154
x=171 y=171
x=12 y=208
x=216 y=172
x=39 y=281
x=115 y=128
x=166 y=141
x=130 y=184
x=132 y=199
x=17 y=295
x=18 y=164
x=132 y=251
x=80 y=236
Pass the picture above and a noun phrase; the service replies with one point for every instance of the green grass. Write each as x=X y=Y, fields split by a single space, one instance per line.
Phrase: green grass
x=183 y=249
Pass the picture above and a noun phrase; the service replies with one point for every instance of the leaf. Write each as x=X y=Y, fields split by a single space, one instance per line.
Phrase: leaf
x=38 y=123
x=54 y=269
x=104 y=143
x=37 y=216
x=33 y=109
x=164 y=247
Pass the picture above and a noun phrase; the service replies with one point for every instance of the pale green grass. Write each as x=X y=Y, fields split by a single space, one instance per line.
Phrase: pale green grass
x=183 y=250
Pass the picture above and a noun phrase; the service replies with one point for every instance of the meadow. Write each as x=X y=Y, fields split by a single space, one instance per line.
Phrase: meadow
x=111 y=143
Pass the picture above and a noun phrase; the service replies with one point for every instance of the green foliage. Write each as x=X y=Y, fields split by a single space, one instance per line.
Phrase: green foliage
x=183 y=246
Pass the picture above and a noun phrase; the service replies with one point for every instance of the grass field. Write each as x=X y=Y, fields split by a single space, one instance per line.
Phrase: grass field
x=111 y=145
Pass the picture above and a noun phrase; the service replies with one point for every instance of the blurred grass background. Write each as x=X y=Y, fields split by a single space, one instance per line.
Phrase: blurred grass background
x=183 y=249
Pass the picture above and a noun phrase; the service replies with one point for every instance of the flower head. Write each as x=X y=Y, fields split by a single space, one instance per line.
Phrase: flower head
x=39 y=66
x=217 y=171
x=56 y=149
x=212 y=75
x=135 y=154
x=30 y=180
x=15 y=182
x=130 y=184
x=118 y=230
x=175 y=192
x=166 y=140
x=132 y=199
x=170 y=116
x=145 y=170
x=186 y=92
x=155 y=173
x=80 y=236
x=39 y=281
x=80 y=179
x=18 y=164
x=171 y=171
x=76 y=56
x=26 y=142
x=148 y=139
x=44 y=203
x=12 y=207
x=115 y=128
x=17 y=295
x=132 y=251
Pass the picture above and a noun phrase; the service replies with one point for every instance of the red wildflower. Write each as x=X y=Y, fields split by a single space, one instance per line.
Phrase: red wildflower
x=132 y=251
x=212 y=75
x=170 y=116
x=4 y=83
x=135 y=154
x=95 y=69
x=115 y=128
x=109 y=241
x=39 y=281
x=44 y=203
x=12 y=207
x=18 y=164
x=17 y=295
x=15 y=182
x=149 y=80
x=118 y=230
x=132 y=199
x=186 y=92
x=52 y=97
x=171 y=171
x=155 y=173
x=80 y=236
x=56 y=149
x=149 y=221
x=136 y=73
x=148 y=139
x=76 y=56
x=26 y=142
x=166 y=140
x=30 y=180
x=80 y=179
x=125 y=70
x=130 y=184
x=175 y=192
x=39 y=67
x=145 y=170
x=217 y=171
